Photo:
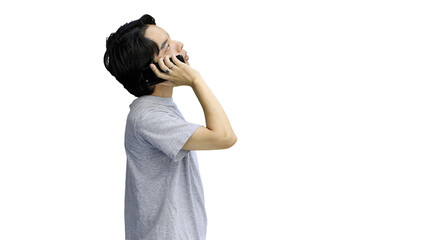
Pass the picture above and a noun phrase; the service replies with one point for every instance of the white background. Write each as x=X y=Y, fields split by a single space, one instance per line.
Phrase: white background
x=327 y=99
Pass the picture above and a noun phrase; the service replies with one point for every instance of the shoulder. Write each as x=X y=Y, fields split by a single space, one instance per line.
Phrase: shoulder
x=155 y=116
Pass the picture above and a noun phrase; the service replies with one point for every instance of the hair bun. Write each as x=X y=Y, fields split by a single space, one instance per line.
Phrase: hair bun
x=147 y=19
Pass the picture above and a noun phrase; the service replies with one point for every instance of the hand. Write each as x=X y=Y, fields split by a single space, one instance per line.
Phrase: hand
x=179 y=74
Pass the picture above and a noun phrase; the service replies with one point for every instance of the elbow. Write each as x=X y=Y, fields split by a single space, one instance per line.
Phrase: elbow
x=223 y=140
x=230 y=141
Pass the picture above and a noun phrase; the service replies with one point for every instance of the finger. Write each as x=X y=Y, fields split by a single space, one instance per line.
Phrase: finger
x=177 y=62
x=158 y=73
x=168 y=63
x=162 y=64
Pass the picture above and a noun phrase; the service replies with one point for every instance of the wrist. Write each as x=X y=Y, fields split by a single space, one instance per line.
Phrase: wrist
x=196 y=81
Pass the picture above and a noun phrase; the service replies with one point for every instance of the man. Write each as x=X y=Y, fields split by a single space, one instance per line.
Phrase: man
x=164 y=198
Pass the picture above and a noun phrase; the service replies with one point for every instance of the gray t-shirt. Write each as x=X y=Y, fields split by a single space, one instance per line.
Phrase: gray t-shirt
x=164 y=197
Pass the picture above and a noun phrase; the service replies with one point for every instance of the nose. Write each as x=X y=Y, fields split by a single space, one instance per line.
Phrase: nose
x=179 y=45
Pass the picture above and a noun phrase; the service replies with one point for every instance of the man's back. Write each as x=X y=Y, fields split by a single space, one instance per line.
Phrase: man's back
x=164 y=196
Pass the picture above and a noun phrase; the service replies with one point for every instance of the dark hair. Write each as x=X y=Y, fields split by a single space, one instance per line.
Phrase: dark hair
x=128 y=51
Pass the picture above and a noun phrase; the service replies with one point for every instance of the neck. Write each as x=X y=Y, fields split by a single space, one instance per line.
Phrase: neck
x=163 y=91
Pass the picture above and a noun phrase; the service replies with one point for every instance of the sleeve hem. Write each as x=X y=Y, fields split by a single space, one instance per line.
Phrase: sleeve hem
x=182 y=153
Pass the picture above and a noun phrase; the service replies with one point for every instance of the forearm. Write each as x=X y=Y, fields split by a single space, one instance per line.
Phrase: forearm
x=216 y=119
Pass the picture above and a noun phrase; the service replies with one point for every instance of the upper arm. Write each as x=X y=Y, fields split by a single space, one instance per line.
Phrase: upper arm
x=206 y=139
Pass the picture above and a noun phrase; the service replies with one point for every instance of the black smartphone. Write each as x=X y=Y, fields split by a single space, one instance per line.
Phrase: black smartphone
x=149 y=75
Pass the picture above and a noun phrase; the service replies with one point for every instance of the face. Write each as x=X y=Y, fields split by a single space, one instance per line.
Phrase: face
x=166 y=45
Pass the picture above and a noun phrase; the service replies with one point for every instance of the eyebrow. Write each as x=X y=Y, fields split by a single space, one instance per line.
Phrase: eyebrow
x=164 y=43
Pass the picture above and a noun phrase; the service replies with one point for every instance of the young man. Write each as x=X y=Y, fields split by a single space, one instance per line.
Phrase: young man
x=164 y=198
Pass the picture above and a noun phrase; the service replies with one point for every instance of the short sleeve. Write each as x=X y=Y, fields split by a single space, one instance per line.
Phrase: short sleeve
x=165 y=131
